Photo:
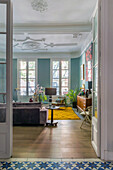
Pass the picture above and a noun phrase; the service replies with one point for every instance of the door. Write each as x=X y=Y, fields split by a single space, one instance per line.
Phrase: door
x=5 y=79
x=96 y=115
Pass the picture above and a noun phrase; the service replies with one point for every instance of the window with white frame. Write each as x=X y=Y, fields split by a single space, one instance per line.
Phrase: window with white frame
x=60 y=76
x=27 y=77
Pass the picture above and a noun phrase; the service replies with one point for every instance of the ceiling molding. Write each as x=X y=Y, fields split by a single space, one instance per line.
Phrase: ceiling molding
x=94 y=12
x=87 y=42
x=52 y=28
x=48 y=55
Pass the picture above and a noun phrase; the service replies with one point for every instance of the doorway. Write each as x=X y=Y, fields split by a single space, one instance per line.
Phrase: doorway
x=50 y=131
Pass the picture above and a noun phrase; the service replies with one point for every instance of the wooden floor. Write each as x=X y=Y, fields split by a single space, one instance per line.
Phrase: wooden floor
x=66 y=140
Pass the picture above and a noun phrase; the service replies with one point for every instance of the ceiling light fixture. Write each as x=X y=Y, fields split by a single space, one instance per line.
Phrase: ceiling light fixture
x=39 y=5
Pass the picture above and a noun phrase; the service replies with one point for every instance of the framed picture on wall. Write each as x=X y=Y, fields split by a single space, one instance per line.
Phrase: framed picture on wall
x=89 y=63
x=82 y=72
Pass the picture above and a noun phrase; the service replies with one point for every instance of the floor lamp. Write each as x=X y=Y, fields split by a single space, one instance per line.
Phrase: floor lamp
x=50 y=92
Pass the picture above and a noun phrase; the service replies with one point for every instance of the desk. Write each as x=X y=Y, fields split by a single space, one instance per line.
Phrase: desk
x=52 y=123
x=83 y=102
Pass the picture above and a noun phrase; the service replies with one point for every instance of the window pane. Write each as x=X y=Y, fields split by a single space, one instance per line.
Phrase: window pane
x=23 y=82
x=22 y=64
x=64 y=73
x=3 y=47
x=2 y=79
x=23 y=74
x=55 y=73
x=2 y=17
x=64 y=64
x=95 y=59
x=64 y=82
x=23 y=91
x=2 y=92
x=55 y=83
x=31 y=74
x=55 y=64
x=95 y=79
x=95 y=25
x=57 y=90
x=31 y=91
x=31 y=64
x=64 y=90
x=31 y=82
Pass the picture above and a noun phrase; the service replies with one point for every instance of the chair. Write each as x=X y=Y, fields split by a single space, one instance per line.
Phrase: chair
x=87 y=116
x=60 y=101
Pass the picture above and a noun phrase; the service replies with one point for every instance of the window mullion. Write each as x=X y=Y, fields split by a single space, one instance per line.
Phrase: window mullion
x=27 y=78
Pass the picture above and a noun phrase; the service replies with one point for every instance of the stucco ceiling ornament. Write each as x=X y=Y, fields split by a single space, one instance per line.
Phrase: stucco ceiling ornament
x=39 y=5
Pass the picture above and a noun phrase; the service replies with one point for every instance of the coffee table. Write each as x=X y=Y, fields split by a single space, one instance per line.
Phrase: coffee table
x=52 y=108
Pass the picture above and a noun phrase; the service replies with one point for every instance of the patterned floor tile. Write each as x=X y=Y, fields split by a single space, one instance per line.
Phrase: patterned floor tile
x=49 y=165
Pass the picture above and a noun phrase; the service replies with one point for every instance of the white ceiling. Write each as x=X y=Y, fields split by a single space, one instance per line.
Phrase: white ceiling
x=64 y=27
x=59 y=11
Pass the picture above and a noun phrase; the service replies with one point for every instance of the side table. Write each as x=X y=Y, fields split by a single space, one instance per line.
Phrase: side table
x=52 y=108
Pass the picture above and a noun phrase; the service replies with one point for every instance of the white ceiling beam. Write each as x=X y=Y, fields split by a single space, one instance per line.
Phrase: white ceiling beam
x=52 y=28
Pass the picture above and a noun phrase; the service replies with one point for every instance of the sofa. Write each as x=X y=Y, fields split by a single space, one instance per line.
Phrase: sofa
x=26 y=114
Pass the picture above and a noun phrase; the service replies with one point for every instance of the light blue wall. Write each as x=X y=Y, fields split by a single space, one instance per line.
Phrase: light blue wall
x=44 y=72
x=75 y=73
x=3 y=78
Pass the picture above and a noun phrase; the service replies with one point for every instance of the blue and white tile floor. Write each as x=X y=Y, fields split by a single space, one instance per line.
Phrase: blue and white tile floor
x=16 y=164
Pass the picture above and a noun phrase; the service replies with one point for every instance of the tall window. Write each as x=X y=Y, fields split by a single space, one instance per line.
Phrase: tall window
x=27 y=78
x=60 y=76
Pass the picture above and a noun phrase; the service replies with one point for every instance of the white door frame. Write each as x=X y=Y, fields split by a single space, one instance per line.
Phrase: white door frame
x=96 y=122
x=6 y=133
x=107 y=80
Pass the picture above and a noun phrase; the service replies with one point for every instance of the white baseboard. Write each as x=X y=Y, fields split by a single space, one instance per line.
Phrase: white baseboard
x=108 y=156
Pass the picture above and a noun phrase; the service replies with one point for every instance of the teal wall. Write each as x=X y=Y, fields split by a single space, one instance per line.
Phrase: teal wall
x=75 y=73
x=44 y=72
x=82 y=61
x=14 y=79
x=3 y=79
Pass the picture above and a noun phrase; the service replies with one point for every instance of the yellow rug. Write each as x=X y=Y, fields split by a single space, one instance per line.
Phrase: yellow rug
x=63 y=113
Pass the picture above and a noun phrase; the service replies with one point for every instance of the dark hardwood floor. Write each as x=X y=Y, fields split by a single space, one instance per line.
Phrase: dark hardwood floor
x=66 y=141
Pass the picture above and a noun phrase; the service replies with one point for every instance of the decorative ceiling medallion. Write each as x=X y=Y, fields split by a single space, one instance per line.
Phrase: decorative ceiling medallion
x=30 y=45
x=39 y=5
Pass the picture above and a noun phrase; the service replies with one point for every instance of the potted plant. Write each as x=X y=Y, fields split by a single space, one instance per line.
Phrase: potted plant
x=42 y=97
x=72 y=94
x=39 y=94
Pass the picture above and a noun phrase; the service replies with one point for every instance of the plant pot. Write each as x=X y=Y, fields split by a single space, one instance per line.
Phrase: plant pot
x=74 y=104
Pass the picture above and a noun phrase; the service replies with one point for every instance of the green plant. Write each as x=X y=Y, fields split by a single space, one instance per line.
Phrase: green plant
x=72 y=94
x=42 y=97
